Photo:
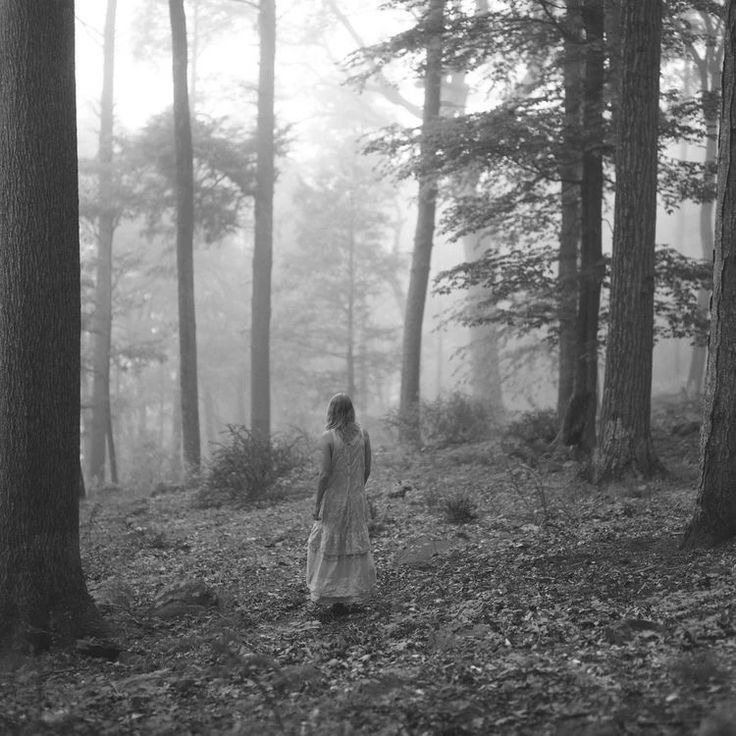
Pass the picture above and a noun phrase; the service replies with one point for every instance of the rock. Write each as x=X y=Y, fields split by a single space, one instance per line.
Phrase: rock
x=181 y=598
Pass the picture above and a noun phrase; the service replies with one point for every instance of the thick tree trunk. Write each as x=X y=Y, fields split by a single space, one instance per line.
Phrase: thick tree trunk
x=102 y=329
x=570 y=175
x=625 y=433
x=714 y=518
x=42 y=590
x=578 y=425
x=260 y=348
x=423 y=235
x=185 y=241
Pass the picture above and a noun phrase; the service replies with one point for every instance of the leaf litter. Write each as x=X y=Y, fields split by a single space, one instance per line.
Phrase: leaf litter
x=559 y=609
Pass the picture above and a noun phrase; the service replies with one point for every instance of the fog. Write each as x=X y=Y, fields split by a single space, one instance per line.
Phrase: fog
x=325 y=123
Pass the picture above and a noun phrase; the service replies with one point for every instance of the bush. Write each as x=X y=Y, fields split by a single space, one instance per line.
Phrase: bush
x=533 y=426
x=454 y=419
x=245 y=467
x=460 y=508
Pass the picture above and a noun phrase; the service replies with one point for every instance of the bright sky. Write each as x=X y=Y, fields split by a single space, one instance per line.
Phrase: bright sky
x=143 y=86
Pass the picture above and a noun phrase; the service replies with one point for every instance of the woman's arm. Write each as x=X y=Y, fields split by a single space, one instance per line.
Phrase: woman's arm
x=367 y=443
x=325 y=467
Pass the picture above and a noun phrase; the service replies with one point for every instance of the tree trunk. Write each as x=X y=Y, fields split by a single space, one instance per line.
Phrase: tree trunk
x=626 y=442
x=570 y=175
x=424 y=234
x=350 y=347
x=102 y=329
x=185 y=241
x=714 y=518
x=260 y=347
x=43 y=596
x=578 y=425
x=483 y=348
x=709 y=69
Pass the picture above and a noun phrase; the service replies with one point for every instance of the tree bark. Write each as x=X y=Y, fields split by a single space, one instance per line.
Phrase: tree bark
x=578 y=425
x=709 y=70
x=626 y=443
x=43 y=596
x=185 y=241
x=102 y=330
x=260 y=348
x=714 y=517
x=423 y=236
x=570 y=175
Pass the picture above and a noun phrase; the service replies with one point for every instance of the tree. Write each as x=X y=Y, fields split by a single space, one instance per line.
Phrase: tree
x=43 y=596
x=260 y=345
x=625 y=433
x=101 y=424
x=707 y=61
x=185 y=241
x=333 y=326
x=424 y=233
x=714 y=517
x=570 y=175
x=578 y=424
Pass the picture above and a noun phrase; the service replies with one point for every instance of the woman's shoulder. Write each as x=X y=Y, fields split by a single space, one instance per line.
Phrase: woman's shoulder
x=327 y=437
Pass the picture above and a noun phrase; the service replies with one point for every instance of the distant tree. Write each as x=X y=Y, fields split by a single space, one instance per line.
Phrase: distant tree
x=334 y=324
x=43 y=596
x=185 y=241
x=703 y=38
x=100 y=428
x=209 y=19
x=714 y=517
x=260 y=345
x=224 y=176
x=424 y=234
x=625 y=433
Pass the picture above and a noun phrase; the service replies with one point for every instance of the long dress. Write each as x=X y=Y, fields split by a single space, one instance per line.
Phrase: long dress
x=340 y=566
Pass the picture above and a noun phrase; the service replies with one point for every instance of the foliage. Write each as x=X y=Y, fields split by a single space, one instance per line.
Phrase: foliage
x=521 y=290
x=449 y=420
x=335 y=298
x=244 y=467
x=224 y=174
x=460 y=508
x=532 y=426
x=454 y=419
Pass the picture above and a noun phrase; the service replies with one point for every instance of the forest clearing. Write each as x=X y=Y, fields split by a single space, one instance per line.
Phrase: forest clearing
x=560 y=608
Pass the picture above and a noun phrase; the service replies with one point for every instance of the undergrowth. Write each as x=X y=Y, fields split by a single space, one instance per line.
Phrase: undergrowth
x=246 y=467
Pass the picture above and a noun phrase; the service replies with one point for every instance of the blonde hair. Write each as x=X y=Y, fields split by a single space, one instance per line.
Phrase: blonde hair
x=341 y=416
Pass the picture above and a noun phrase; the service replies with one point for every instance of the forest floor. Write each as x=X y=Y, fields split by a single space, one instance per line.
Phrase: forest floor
x=560 y=609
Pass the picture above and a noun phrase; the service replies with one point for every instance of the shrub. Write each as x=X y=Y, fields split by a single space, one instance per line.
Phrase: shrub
x=449 y=420
x=454 y=420
x=533 y=426
x=460 y=508
x=244 y=467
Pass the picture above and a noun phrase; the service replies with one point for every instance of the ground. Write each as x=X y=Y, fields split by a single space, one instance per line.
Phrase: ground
x=559 y=609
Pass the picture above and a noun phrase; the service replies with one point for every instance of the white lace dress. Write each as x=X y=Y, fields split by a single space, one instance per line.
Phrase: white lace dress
x=340 y=565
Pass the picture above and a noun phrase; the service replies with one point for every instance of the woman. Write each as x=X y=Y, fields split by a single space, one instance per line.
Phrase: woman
x=340 y=569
